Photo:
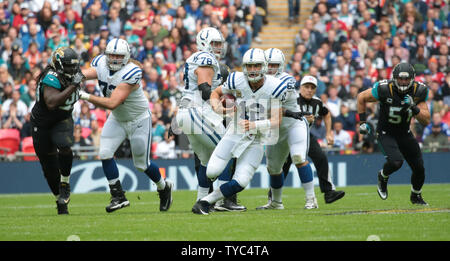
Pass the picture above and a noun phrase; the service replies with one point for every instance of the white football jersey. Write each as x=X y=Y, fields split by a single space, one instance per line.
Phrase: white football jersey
x=290 y=100
x=254 y=106
x=191 y=90
x=136 y=103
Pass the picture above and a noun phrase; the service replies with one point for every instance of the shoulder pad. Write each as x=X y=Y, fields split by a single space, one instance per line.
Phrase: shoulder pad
x=290 y=81
x=281 y=86
x=132 y=75
x=234 y=80
x=385 y=88
x=205 y=59
x=95 y=61
x=51 y=79
x=420 y=91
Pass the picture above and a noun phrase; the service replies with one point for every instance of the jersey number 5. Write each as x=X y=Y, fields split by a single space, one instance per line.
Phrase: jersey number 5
x=395 y=117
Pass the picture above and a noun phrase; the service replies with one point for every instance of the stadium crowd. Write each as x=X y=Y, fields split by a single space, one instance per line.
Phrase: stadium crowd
x=348 y=45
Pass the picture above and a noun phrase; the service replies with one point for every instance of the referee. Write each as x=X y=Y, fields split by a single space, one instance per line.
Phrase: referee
x=312 y=107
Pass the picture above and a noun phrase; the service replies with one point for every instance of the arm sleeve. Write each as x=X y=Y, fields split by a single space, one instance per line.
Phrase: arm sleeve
x=375 y=91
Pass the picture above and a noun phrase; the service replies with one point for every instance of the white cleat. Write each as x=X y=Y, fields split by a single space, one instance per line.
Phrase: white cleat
x=311 y=202
x=271 y=205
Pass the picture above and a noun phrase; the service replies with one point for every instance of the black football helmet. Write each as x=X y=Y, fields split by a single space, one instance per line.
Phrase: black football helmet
x=65 y=62
x=403 y=75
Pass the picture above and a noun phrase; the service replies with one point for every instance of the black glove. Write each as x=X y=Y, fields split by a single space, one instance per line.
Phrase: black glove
x=78 y=78
x=295 y=115
x=224 y=72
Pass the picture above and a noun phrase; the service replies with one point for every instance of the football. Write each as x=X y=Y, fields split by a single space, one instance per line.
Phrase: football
x=228 y=100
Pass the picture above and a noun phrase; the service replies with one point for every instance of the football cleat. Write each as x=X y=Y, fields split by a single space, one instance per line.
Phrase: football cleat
x=63 y=199
x=165 y=197
x=333 y=195
x=271 y=205
x=228 y=204
x=382 y=186
x=118 y=199
x=201 y=207
x=416 y=198
x=311 y=202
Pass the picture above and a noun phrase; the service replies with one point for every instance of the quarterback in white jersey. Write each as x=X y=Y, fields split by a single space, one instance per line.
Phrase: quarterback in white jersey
x=119 y=78
x=294 y=138
x=255 y=123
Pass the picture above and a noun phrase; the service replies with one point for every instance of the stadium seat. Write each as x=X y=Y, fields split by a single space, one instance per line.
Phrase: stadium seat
x=27 y=147
x=10 y=139
x=85 y=132
x=101 y=117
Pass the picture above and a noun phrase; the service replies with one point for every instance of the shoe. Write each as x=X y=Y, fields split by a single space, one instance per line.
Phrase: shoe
x=311 y=202
x=165 y=197
x=257 y=39
x=333 y=195
x=118 y=199
x=417 y=199
x=382 y=186
x=63 y=199
x=62 y=208
x=201 y=207
x=271 y=205
x=228 y=204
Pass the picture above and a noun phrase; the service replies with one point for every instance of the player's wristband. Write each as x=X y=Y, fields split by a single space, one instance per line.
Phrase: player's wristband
x=362 y=117
x=415 y=110
x=262 y=125
x=84 y=95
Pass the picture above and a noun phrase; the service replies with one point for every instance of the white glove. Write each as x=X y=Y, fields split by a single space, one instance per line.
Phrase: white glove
x=84 y=95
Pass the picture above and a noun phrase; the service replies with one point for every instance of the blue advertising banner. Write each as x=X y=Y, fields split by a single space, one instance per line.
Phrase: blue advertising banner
x=87 y=176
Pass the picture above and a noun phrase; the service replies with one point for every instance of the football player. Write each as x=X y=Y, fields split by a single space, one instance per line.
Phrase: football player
x=119 y=78
x=257 y=117
x=203 y=127
x=52 y=123
x=400 y=98
x=294 y=139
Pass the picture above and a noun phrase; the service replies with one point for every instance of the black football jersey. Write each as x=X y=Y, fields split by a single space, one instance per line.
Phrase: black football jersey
x=313 y=106
x=393 y=117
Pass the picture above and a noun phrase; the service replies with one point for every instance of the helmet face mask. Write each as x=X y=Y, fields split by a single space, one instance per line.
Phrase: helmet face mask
x=117 y=54
x=211 y=40
x=275 y=57
x=254 y=64
x=403 y=75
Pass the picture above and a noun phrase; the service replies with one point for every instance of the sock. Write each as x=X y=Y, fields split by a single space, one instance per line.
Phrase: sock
x=213 y=197
x=382 y=174
x=203 y=180
x=153 y=173
x=309 y=189
x=65 y=179
x=226 y=173
x=305 y=173
x=202 y=192
x=112 y=181
x=110 y=169
x=276 y=185
x=230 y=188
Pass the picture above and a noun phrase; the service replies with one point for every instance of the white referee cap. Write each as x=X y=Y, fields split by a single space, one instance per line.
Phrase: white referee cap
x=309 y=79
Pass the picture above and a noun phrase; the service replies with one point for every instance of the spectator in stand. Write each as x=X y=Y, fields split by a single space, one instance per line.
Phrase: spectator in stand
x=93 y=20
x=29 y=97
x=157 y=129
x=6 y=92
x=33 y=36
x=436 y=140
x=18 y=67
x=319 y=131
x=86 y=117
x=153 y=82
x=436 y=75
x=167 y=110
x=5 y=79
x=156 y=33
x=33 y=55
x=436 y=120
x=79 y=142
x=188 y=21
x=166 y=148
x=12 y=119
x=104 y=34
x=347 y=118
x=170 y=50
x=173 y=92
x=95 y=134
x=114 y=23
x=333 y=102
x=342 y=138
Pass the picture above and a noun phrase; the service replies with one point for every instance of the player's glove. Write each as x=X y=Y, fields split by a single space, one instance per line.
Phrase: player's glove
x=409 y=104
x=84 y=95
x=364 y=128
x=78 y=78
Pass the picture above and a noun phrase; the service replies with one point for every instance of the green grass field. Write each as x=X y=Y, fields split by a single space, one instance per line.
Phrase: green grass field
x=359 y=214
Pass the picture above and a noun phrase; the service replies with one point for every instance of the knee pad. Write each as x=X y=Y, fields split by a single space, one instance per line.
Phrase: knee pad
x=244 y=175
x=105 y=153
x=138 y=146
x=396 y=164
x=215 y=167
x=272 y=170
x=297 y=159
